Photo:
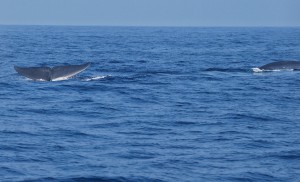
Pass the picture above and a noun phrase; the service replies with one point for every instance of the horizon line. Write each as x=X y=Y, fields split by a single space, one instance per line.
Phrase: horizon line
x=162 y=26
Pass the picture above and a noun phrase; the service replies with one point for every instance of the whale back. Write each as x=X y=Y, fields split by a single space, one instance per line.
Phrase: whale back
x=65 y=72
x=35 y=73
x=51 y=74
x=282 y=65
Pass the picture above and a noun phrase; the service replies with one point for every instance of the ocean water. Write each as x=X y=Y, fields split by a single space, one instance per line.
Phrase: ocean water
x=157 y=104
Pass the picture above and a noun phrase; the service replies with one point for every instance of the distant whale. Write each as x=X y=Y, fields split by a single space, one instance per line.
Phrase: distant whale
x=51 y=74
x=279 y=65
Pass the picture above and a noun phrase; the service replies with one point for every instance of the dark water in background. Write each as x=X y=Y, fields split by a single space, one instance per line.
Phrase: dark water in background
x=157 y=104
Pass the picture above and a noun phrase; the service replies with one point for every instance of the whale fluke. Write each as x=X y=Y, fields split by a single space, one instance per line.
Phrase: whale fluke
x=51 y=74
x=279 y=65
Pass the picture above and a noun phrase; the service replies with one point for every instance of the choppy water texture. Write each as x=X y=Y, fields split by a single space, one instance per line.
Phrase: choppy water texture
x=157 y=104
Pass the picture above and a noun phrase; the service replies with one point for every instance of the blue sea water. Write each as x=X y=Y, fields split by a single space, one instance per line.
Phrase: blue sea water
x=157 y=104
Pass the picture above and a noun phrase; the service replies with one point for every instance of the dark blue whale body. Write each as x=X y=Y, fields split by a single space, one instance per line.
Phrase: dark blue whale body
x=279 y=65
x=51 y=74
x=282 y=65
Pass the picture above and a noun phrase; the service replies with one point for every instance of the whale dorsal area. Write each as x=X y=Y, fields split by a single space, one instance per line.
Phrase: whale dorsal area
x=51 y=74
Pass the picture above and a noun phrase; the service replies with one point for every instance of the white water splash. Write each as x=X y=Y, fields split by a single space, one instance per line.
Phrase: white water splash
x=61 y=79
x=38 y=80
x=97 y=78
x=257 y=70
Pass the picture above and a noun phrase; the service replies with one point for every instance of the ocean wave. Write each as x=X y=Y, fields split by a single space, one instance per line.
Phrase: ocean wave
x=287 y=155
x=227 y=69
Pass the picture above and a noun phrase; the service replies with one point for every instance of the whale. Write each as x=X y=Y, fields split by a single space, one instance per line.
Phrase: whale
x=56 y=73
x=279 y=65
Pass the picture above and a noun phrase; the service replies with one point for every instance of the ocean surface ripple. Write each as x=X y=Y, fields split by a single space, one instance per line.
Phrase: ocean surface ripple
x=157 y=104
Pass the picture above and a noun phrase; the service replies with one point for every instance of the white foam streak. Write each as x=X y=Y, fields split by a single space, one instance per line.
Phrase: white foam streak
x=60 y=79
x=257 y=70
x=38 y=80
x=96 y=78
